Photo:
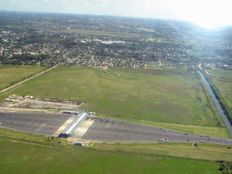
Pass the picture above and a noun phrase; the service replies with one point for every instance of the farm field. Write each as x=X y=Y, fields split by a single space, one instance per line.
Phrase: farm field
x=156 y=96
x=223 y=82
x=12 y=74
x=27 y=153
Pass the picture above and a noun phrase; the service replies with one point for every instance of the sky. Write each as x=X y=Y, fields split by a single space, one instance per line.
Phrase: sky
x=205 y=13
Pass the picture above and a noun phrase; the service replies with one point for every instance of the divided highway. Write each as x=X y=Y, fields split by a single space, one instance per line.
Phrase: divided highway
x=37 y=123
x=101 y=130
x=107 y=130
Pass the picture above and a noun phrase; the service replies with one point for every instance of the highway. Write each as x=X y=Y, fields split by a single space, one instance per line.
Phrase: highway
x=37 y=123
x=102 y=130
x=108 y=130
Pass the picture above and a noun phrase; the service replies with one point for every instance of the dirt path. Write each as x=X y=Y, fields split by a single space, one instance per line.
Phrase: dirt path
x=27 y=79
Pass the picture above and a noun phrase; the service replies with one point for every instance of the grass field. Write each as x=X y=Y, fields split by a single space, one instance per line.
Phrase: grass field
x=24 y=153
x=12 y=74
x=103 y=33
x=184 y=150
x=193 y=129
x=223 y=81
x=150 y=96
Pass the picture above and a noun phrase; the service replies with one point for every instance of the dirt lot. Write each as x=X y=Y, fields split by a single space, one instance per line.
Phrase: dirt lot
x=21 y=102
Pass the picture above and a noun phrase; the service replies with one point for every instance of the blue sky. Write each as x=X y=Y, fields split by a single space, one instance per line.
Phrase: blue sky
x=206 y=13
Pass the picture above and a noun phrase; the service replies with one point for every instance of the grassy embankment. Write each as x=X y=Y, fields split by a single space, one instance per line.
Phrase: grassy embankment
x=170 y=97
x=222 y=82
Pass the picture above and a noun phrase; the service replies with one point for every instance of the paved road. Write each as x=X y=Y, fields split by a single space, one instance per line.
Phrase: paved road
x=105 y=130
x=38 y=123
x=102 y=130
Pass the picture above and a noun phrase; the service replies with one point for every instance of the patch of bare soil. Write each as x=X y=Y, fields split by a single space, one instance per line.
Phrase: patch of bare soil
x=14 y=101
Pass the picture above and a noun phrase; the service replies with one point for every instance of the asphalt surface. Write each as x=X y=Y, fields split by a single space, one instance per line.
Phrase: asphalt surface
x=105 y=130
x=102 y=130
x=37 y=123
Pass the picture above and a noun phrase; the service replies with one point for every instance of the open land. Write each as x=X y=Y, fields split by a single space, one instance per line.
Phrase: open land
x=39 y=154
x=10 y=75
x=155 y=96
x=222 y=79
x=162 y=96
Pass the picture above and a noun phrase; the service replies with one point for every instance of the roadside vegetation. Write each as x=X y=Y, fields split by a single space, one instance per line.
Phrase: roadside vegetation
x=222 y=81
x=184 y=150
x=27 y=153
x=193 y=129
x=155 y=96
x=10 y=75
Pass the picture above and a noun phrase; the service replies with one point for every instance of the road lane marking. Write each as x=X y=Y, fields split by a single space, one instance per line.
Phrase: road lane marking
x=73 y=127
x=84 y=127
x=41 y=128
x=62 y=127
x=108 y=125
x=114 y=125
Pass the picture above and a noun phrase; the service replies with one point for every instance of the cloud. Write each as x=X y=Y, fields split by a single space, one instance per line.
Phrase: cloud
x=199 y=11
x=111 y=7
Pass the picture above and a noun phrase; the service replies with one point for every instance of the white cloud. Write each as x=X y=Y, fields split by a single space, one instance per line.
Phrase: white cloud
x=203 y=12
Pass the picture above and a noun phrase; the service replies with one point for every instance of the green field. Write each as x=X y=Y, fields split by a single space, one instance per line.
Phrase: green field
x=223 y=82
x=167 y=96
x=154 y=96
x=10 y=75
x=25 y=153
x=183 y=150
x=102 y=33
